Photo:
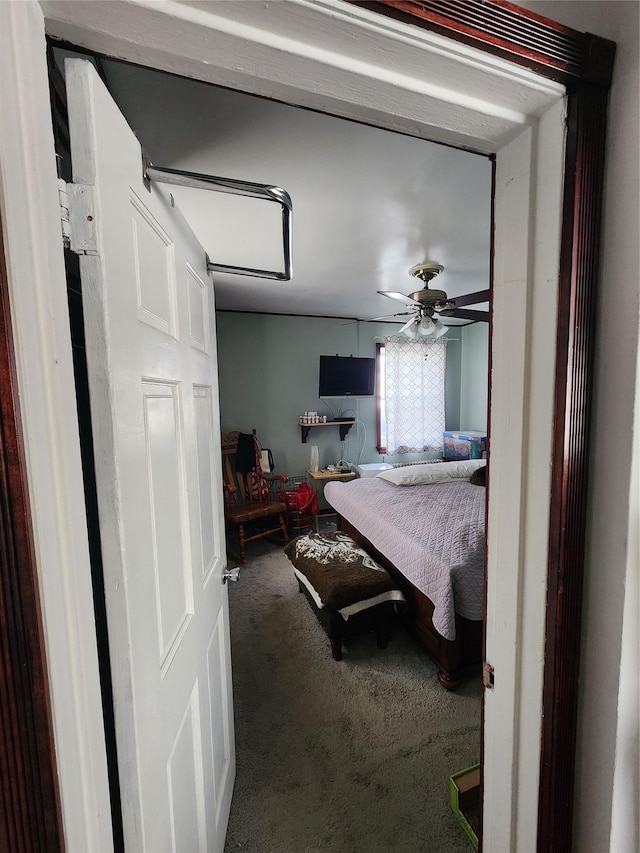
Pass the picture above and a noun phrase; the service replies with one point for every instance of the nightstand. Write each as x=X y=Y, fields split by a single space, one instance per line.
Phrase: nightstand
x=318 y=479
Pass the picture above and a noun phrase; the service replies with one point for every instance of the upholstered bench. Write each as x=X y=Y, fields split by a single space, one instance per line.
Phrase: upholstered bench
x=347 y=590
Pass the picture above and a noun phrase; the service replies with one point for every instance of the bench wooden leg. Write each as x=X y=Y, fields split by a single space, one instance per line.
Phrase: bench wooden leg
x=383 y=638
x=336 y=649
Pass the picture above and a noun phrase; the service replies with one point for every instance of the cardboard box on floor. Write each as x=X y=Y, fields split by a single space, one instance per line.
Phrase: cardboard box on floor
x=464 y=796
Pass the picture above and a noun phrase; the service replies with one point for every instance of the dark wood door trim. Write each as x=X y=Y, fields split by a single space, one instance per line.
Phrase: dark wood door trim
x=584 y=64
x=579 y=263
x=506 y=30
x=30 y=818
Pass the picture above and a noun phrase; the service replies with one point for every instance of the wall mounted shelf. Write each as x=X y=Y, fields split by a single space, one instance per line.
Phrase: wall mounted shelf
x=345 y=426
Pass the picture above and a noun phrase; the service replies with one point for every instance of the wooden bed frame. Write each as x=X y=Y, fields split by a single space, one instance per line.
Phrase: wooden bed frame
x=453 y=657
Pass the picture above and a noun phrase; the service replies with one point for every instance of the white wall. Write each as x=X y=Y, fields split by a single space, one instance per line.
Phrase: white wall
x=606 y=815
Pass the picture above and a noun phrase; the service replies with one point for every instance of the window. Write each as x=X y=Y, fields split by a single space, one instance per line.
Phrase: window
x=410 y=395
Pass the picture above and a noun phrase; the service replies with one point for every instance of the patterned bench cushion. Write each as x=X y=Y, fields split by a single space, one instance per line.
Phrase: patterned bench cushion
x=339 y=573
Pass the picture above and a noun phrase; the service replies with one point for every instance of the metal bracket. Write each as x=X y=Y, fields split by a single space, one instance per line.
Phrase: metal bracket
x=266 y=192
x=82 y=227
x=63 y=198
x=488 y=680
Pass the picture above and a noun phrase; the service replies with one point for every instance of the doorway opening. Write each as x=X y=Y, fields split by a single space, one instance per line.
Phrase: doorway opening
x=470 y=195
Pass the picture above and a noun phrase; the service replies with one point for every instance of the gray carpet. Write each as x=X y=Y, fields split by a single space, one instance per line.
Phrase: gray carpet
x=338 y=757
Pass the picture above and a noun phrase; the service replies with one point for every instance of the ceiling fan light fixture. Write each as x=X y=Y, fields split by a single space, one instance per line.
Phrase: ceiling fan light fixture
x=426 y=326
x=410 y=329
x=407 y=325
x=428 y=303
x=439 y=329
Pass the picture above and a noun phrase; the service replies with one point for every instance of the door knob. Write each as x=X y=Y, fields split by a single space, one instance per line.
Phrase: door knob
x=230 y=574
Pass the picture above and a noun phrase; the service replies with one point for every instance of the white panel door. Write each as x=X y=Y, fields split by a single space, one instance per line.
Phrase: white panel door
x=151 y=355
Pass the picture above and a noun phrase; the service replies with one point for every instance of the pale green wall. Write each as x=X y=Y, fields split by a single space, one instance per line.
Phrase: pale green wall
x=268 y=366
x=474 y=377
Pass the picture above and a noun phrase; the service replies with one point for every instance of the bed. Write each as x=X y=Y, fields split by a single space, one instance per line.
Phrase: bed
x=427 y=528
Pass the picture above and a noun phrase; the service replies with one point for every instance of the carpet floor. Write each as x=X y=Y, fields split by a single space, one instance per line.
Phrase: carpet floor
x=338 y=757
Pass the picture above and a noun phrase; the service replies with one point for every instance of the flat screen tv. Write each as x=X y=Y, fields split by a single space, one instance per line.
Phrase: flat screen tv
x=346 y=376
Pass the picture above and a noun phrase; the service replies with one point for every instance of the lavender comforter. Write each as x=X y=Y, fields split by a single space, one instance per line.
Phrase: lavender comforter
x=433 y=534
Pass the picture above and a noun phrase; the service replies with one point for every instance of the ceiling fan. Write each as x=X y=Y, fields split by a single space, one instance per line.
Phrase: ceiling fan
x=429 y=305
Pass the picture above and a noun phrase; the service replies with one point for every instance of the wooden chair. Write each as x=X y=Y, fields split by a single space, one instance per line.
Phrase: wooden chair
x=248 y=511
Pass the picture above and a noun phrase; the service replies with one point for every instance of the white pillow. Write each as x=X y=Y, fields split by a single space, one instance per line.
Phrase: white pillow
x=433 y=472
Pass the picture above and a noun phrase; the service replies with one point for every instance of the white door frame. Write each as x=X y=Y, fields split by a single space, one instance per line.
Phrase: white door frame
x=417 y=83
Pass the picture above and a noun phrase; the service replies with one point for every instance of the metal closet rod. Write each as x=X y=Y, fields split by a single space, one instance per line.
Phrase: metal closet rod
x=267 y=192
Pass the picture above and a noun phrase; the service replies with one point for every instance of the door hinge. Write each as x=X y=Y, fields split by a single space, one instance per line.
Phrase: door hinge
x=63 y=199
x=488 y=680
x=78 y=218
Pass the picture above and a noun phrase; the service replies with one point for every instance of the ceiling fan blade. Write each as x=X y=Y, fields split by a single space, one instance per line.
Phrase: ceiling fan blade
x=466 y=314
x=389 y=316
x=374 y=319
x=472 y=298
x=394 y=294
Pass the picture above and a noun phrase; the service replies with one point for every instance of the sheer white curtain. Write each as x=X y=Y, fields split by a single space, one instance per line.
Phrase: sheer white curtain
x=414 y=394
